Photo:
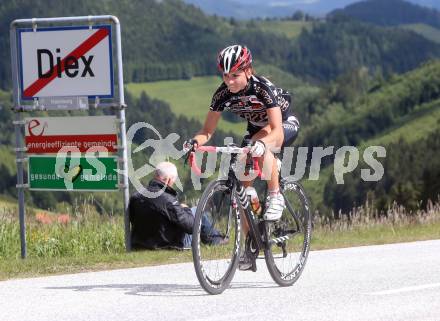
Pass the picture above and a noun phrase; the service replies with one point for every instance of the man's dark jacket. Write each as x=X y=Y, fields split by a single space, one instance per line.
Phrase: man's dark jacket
x=159 y=222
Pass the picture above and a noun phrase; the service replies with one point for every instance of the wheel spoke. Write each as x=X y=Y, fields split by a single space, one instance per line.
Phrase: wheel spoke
x=289 y=238
x=214 y=251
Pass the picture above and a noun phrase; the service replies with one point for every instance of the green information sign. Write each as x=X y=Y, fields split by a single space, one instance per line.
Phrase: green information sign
x=73 y=173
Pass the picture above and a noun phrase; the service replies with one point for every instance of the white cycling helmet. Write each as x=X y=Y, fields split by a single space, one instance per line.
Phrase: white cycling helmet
x=233 y=58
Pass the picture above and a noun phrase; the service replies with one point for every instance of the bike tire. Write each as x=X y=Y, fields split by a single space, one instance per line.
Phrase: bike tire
x=215 y=264
x=286 y=266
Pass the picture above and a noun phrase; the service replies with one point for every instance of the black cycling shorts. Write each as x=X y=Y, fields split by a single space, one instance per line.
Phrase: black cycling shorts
x=290 y=128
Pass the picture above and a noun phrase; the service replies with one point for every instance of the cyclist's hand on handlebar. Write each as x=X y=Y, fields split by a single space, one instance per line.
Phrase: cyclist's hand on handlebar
x=258 y=148
x=189 y=145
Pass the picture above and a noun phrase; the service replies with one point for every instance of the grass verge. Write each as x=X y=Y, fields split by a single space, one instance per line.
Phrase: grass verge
x=362 y=227
x=322 y=239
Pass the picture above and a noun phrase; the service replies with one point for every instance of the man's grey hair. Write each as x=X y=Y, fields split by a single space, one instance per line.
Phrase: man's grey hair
x=166 y=170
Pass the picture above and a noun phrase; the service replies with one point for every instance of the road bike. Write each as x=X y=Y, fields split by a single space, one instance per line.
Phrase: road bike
x=285 y=243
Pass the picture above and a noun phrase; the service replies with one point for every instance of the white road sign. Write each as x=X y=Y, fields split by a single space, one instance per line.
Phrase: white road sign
x=49 y=134
x=68 y=61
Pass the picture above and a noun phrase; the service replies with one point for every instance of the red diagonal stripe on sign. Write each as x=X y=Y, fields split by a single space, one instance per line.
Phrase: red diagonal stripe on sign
x=83 y=48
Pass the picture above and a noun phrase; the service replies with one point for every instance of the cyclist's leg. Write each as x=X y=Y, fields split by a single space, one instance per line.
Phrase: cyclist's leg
x=267 y=162
x=275 y=202
x=290 y=128
x=254 y=133
x=251 y=130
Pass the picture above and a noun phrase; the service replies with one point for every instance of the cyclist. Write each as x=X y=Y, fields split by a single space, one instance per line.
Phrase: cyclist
x=270 y=122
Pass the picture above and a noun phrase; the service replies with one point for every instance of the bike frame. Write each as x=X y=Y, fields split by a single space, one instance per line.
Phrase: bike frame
x=260 y=240
x=257 y=229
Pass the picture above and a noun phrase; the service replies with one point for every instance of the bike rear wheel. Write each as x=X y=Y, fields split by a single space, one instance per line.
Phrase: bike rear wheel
x=289 y=238
x=216 y=248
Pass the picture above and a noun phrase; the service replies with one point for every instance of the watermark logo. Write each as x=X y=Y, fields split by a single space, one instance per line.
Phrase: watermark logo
x=163 y=150
x=346 y=160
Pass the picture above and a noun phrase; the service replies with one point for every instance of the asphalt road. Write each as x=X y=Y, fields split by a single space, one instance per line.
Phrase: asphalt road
x=389 y=282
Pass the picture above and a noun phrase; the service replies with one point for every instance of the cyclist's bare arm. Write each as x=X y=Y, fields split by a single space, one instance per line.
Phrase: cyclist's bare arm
x=209 y=127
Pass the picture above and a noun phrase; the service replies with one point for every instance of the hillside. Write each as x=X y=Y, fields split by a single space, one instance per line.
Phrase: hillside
x=410 y=130
x=430 y=33
x=343 y=44
x=408 y=179
x=289 y=28
x=405 y=109
x=390 y=13
x=373 y=113
x=169 y=39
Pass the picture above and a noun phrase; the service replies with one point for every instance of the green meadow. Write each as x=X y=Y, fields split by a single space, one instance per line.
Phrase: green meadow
x=190 y=98
x=290 y=29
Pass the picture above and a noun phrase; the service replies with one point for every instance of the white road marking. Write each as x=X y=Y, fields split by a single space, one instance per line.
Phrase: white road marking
x=407 y=289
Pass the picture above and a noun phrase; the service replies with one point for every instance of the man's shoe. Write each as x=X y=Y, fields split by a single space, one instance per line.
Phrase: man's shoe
x=247 y=262
x=274 y=207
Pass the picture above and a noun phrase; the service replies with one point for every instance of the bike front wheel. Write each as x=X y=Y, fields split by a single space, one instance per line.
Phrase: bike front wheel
x=288 y=240
x=216 y=237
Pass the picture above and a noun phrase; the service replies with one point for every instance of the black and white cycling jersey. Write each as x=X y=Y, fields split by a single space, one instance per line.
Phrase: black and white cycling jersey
x=253 y=102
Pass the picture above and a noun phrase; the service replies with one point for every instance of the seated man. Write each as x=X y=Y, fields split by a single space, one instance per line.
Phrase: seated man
x=163 y=222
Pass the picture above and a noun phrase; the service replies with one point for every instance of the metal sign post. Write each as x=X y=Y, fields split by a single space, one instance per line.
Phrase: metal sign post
x=122 y=131
x=20 y=181
x=67 y=64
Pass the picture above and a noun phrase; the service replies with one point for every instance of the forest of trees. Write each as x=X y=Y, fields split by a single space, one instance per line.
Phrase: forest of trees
x=390 y=13
x=356 y=109
x=343 y=44
x=172 y=40
x=411 y=179
x=339 y=122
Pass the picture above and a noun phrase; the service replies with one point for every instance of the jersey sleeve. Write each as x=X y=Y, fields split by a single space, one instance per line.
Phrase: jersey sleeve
x=267 y=95
x=219 y=97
